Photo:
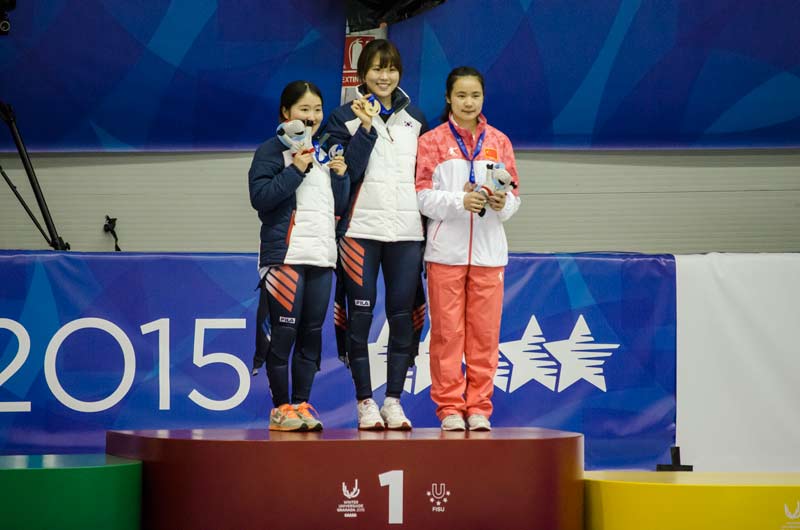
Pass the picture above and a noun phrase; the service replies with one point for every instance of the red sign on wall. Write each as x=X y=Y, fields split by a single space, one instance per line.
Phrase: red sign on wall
x=352 y=50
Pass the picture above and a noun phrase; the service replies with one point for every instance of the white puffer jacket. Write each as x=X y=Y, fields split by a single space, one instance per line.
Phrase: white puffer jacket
x=311 y=236
x=381 y=164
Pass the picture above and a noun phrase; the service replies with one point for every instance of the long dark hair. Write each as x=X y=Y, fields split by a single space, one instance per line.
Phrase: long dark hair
x=388 y=53
x=452 y=77
x=293 y=92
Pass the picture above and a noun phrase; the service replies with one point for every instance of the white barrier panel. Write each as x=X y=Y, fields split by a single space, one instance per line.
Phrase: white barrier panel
x=738 y=365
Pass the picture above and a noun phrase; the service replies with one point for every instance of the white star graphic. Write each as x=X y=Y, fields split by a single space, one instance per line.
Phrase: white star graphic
x=524 y=359
x=580 y=357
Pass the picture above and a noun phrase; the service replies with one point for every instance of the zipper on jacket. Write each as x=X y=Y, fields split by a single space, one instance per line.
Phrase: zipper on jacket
x=436 y=231
x=385 y=125
x=469 y=256
x=291 y=226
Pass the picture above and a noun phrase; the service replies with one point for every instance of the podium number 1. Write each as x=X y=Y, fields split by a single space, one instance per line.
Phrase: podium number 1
x=394 y=479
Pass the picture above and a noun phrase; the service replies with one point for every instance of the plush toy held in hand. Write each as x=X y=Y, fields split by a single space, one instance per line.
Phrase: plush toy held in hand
x=497 y=179
x=296 y=135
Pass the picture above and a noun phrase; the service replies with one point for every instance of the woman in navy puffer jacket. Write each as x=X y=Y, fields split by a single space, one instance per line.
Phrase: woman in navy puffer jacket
x=299 y=192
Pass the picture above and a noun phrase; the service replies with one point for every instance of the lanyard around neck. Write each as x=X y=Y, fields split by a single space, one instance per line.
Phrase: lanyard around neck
x=463 y=147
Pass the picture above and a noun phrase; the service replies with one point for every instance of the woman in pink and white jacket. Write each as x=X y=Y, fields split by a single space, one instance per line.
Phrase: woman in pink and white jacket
x=466 y=185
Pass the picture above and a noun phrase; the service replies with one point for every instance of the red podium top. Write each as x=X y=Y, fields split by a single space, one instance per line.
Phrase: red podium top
x=425 y=478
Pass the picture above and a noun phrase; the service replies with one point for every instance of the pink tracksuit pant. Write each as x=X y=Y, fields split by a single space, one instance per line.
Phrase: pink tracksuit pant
x=465 y=304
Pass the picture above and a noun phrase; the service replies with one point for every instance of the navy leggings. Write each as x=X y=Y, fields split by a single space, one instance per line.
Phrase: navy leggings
x=298 y=301
x=360 y=260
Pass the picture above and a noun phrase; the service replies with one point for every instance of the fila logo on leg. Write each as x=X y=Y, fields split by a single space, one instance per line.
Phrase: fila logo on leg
x=287 y=320
x=361 y=303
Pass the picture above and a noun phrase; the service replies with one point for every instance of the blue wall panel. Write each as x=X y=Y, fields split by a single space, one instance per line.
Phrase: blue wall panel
x=617 y=73
x=163 y=75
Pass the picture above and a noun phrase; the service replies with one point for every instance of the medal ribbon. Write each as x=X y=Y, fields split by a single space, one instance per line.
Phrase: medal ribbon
x=319 y=153
x=385 y=111
x=463 y=147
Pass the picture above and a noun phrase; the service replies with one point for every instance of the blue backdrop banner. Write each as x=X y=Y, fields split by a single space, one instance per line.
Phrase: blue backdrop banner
x=617 y=73
x=206 y=74
x=163 y=74
x=90 y=342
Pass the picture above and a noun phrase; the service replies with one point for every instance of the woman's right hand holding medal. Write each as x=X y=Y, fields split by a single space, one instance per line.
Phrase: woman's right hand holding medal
x=362 y=109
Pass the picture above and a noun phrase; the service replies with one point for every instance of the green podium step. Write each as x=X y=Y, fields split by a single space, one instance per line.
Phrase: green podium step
x=70 y=492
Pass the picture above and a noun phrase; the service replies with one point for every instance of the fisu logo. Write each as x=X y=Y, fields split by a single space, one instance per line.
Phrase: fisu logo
x=557 y=365
x=792 y=515
x=438 y=496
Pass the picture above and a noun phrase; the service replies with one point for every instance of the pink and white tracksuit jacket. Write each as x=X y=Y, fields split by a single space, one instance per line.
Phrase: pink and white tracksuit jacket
x=466 y=255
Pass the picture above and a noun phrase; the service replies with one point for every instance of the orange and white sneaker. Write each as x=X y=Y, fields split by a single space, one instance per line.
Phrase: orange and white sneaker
x=285 y=418
x=309 y=415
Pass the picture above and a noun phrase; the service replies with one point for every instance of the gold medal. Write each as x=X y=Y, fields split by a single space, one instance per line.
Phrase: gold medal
x=372 y=107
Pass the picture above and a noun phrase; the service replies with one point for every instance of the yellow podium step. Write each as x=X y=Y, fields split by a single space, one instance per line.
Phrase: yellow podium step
x=637 y=500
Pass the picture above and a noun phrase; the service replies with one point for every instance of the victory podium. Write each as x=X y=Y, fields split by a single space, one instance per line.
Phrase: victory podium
x=521 y=478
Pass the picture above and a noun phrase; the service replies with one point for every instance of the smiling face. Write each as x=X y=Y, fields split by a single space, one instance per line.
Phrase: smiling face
x=382 y=80
x=308 y=107
x=466 y=101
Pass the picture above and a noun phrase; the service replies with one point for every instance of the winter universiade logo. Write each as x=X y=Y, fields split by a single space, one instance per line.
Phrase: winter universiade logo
x=350 y=494
x=350 y=507
x=557 y=365
x=792 y=523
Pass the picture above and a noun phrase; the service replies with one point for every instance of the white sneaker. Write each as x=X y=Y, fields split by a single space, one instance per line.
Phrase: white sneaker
x=479 y=422
x=392 y=413
x=369 y=418
x=453 y=422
